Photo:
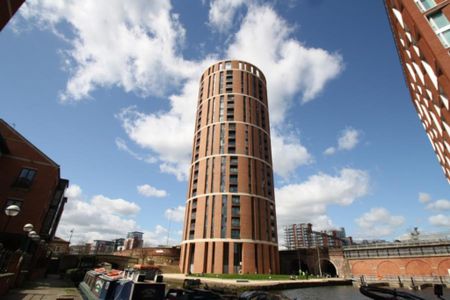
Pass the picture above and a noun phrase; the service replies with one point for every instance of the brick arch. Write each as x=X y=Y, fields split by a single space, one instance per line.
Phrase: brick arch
x=387 y=268
x=443 y=267
x=418 y=267
x=327 y=263
x=361 y=268
x=338 y=265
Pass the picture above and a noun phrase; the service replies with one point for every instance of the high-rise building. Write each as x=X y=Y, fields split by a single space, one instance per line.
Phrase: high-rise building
x=421 y=30
x=302 y=236
x=230 y=224
x=134 y=240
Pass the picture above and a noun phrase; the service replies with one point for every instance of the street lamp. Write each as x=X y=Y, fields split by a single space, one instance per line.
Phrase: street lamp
x=28 y=227
x=10 y=211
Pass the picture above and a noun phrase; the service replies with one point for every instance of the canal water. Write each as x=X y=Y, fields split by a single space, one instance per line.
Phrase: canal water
x=347 y=293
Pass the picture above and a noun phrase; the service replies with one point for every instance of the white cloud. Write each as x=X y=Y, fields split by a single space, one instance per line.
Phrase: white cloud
x=378 y=222
x=308 y=201
x=265 y=39
x=440 y=220
x=288 y=153
x=122 y=146
x=113 y=217
x=137 y=46
x=222 y=13
x=330 y=151
x=73 y=192
x=424 y=197
x=115 y=206
x=175 y=214
x=442 y=204
x=150 y=191
x=347 y=140
x=133 y=45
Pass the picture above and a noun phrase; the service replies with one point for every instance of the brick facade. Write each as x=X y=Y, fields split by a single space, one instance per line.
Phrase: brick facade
x=422 y=35
x=40 y=196
x=230 y=221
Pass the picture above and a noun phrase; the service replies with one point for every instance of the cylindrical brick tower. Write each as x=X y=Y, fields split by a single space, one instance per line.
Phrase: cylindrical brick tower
x=230 y=222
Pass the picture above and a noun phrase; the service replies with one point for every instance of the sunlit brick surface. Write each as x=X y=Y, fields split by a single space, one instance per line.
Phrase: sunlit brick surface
x=421 y=31
x=230 y=224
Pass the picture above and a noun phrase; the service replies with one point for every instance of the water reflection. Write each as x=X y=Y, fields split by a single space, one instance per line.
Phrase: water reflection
x=347 y=293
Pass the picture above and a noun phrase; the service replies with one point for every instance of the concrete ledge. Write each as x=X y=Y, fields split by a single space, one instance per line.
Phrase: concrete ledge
x=242 y=285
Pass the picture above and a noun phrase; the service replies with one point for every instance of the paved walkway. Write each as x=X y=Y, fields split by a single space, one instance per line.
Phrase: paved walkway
x=261 y=283
x=50 y=288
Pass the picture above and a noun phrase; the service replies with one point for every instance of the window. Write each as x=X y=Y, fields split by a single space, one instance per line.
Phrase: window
x=235 y=211
x=425 y=4
x=235 y=233
x=235 y=222
x=223 y=229
x=233 y=179
x=228 y=65
x=221 y=108
x=441 y=27
x=222 y=174
x=221 y=83
x=25 y=178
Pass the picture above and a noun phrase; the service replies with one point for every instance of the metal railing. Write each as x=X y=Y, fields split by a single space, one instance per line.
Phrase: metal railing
x=399 y=244
x=403 y=279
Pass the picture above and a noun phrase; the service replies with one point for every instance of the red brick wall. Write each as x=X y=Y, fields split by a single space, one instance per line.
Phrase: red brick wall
x=414 y=266
x=37 y=198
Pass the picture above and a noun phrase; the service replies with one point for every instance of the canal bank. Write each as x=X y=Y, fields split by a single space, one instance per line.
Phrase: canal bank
x=239 y=285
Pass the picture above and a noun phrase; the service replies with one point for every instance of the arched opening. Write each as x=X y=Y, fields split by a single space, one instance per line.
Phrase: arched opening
x=328 y=269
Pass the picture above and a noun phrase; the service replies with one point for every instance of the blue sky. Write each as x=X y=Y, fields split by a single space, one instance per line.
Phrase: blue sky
x=108 y=88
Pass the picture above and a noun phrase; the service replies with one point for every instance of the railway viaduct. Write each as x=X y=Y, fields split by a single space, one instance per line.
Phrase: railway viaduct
x=376 y=261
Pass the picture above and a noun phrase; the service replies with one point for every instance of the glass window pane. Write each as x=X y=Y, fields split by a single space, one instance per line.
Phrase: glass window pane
x=427 y=4
x=446 y=37
x=439 y=19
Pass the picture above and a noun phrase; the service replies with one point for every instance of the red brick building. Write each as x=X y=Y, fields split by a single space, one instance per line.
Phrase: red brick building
x=30 y=180
x=421 y=30
x=58 y=246
x=230 y=222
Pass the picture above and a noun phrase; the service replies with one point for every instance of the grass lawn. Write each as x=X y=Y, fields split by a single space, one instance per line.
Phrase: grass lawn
x=249 y=276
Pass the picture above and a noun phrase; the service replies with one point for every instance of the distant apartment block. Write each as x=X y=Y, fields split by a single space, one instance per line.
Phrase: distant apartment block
x=302 y=236
x=421 y=30
x=30 y=180
x=134 y=240
x=102 y=247
x=119 y=244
